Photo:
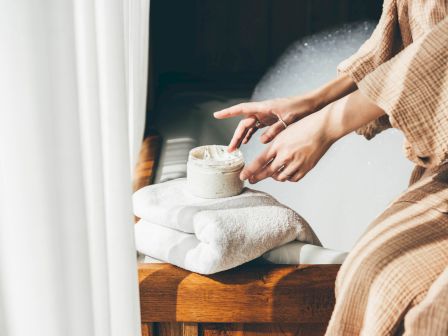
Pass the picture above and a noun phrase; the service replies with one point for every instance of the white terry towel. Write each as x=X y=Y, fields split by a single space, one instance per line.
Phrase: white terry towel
x=212 y=235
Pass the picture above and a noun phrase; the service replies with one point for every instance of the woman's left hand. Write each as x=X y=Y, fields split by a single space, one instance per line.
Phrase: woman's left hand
x=294 y=152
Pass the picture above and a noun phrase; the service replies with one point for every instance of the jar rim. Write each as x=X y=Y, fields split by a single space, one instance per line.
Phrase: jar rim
x=234 y=160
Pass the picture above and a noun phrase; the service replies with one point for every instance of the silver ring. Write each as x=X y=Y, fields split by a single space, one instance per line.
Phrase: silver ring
x=258 y=124
x=283 y=122
x=269 y=162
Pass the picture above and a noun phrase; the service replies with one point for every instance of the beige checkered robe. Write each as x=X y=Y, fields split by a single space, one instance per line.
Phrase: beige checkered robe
x=395 y=280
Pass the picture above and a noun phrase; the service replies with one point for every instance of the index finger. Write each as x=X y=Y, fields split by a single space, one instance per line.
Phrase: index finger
x=256 y=165
x=236 y=110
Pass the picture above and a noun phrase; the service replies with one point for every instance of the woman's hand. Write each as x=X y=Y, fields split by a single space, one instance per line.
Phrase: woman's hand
x=276 y=113
x=279 y=113
x=293 y=152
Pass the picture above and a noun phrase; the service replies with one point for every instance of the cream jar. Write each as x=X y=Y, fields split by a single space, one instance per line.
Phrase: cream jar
x=212 y=172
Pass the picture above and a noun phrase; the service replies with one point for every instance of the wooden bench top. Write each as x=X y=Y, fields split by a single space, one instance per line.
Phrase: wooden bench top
x=284 y=296
x=249 y=293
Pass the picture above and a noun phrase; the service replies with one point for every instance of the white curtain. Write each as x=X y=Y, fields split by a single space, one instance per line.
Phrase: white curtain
x=136 y=46
x=72 y=106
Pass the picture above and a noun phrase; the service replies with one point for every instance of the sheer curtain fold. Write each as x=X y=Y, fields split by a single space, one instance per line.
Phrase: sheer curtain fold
x=137 y=47
x=71 y=117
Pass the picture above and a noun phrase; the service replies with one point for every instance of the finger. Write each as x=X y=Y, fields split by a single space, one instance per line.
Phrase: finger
x=249 y=134
x=298 y=175
x=236 y=110
x=252 y=168
x=287 y=173
x=267 y=171
x=272 y=132
x=240 y=132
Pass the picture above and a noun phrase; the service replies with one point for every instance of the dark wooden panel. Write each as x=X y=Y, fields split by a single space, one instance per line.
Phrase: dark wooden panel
x=249 y=32
x=232 y=36
x=217 y=39
x=262 y=329
x=173 y=34
x=289 y=21
x=212 y=38
x=326 y=13
x=250 y=293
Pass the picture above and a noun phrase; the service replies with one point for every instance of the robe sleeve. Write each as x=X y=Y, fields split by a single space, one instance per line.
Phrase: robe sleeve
x=384 y=43
x=412 y=88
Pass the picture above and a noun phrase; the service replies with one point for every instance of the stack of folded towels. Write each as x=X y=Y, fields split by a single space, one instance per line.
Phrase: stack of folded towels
x=212 y=235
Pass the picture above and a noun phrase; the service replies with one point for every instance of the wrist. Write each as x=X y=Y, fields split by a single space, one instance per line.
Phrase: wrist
x=332 y=91
x=334 y=127
x=317 y=99
x=304 y=105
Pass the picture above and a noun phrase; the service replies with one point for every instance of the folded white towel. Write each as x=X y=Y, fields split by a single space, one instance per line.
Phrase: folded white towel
x=209 y=236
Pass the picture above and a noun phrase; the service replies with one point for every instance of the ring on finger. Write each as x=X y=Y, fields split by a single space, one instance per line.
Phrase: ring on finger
x=258 y=124
x=285 y=125
x=269 y=162
x=282 y=167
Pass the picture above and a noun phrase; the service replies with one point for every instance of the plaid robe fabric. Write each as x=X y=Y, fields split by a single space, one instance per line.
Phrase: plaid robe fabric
x=395 y=280
x=403 y=68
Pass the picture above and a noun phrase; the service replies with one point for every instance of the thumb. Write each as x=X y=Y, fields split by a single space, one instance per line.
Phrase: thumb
x=272 y=132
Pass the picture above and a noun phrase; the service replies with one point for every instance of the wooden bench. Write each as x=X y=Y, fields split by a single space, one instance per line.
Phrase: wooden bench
x=252 y=299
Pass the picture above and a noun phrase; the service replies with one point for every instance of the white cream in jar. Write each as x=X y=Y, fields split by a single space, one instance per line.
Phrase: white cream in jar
x=212 y=172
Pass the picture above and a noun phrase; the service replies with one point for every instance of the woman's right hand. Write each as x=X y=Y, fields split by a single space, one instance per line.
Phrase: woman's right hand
x=268 y=113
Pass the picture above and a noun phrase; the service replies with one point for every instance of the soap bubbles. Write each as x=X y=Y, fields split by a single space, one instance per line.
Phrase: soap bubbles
x=312 y=61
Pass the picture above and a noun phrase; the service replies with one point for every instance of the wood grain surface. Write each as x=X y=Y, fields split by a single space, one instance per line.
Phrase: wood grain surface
x=262 y=329
x=250 y=293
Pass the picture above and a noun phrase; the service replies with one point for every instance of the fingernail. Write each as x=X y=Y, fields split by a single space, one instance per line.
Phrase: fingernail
x=243 y=177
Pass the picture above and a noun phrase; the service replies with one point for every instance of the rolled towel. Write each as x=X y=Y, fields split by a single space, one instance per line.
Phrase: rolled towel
x=209 y=236
x=296 y=252
x=293 y=253
x=150 y=260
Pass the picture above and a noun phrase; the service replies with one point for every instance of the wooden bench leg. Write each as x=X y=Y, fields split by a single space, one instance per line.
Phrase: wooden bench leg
x=190 y=329
x=170 y=329
x=148 y=329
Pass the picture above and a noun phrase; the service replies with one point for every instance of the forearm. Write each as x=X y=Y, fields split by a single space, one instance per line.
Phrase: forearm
x=333 y=91
x=348 y=114
x=317 y=99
